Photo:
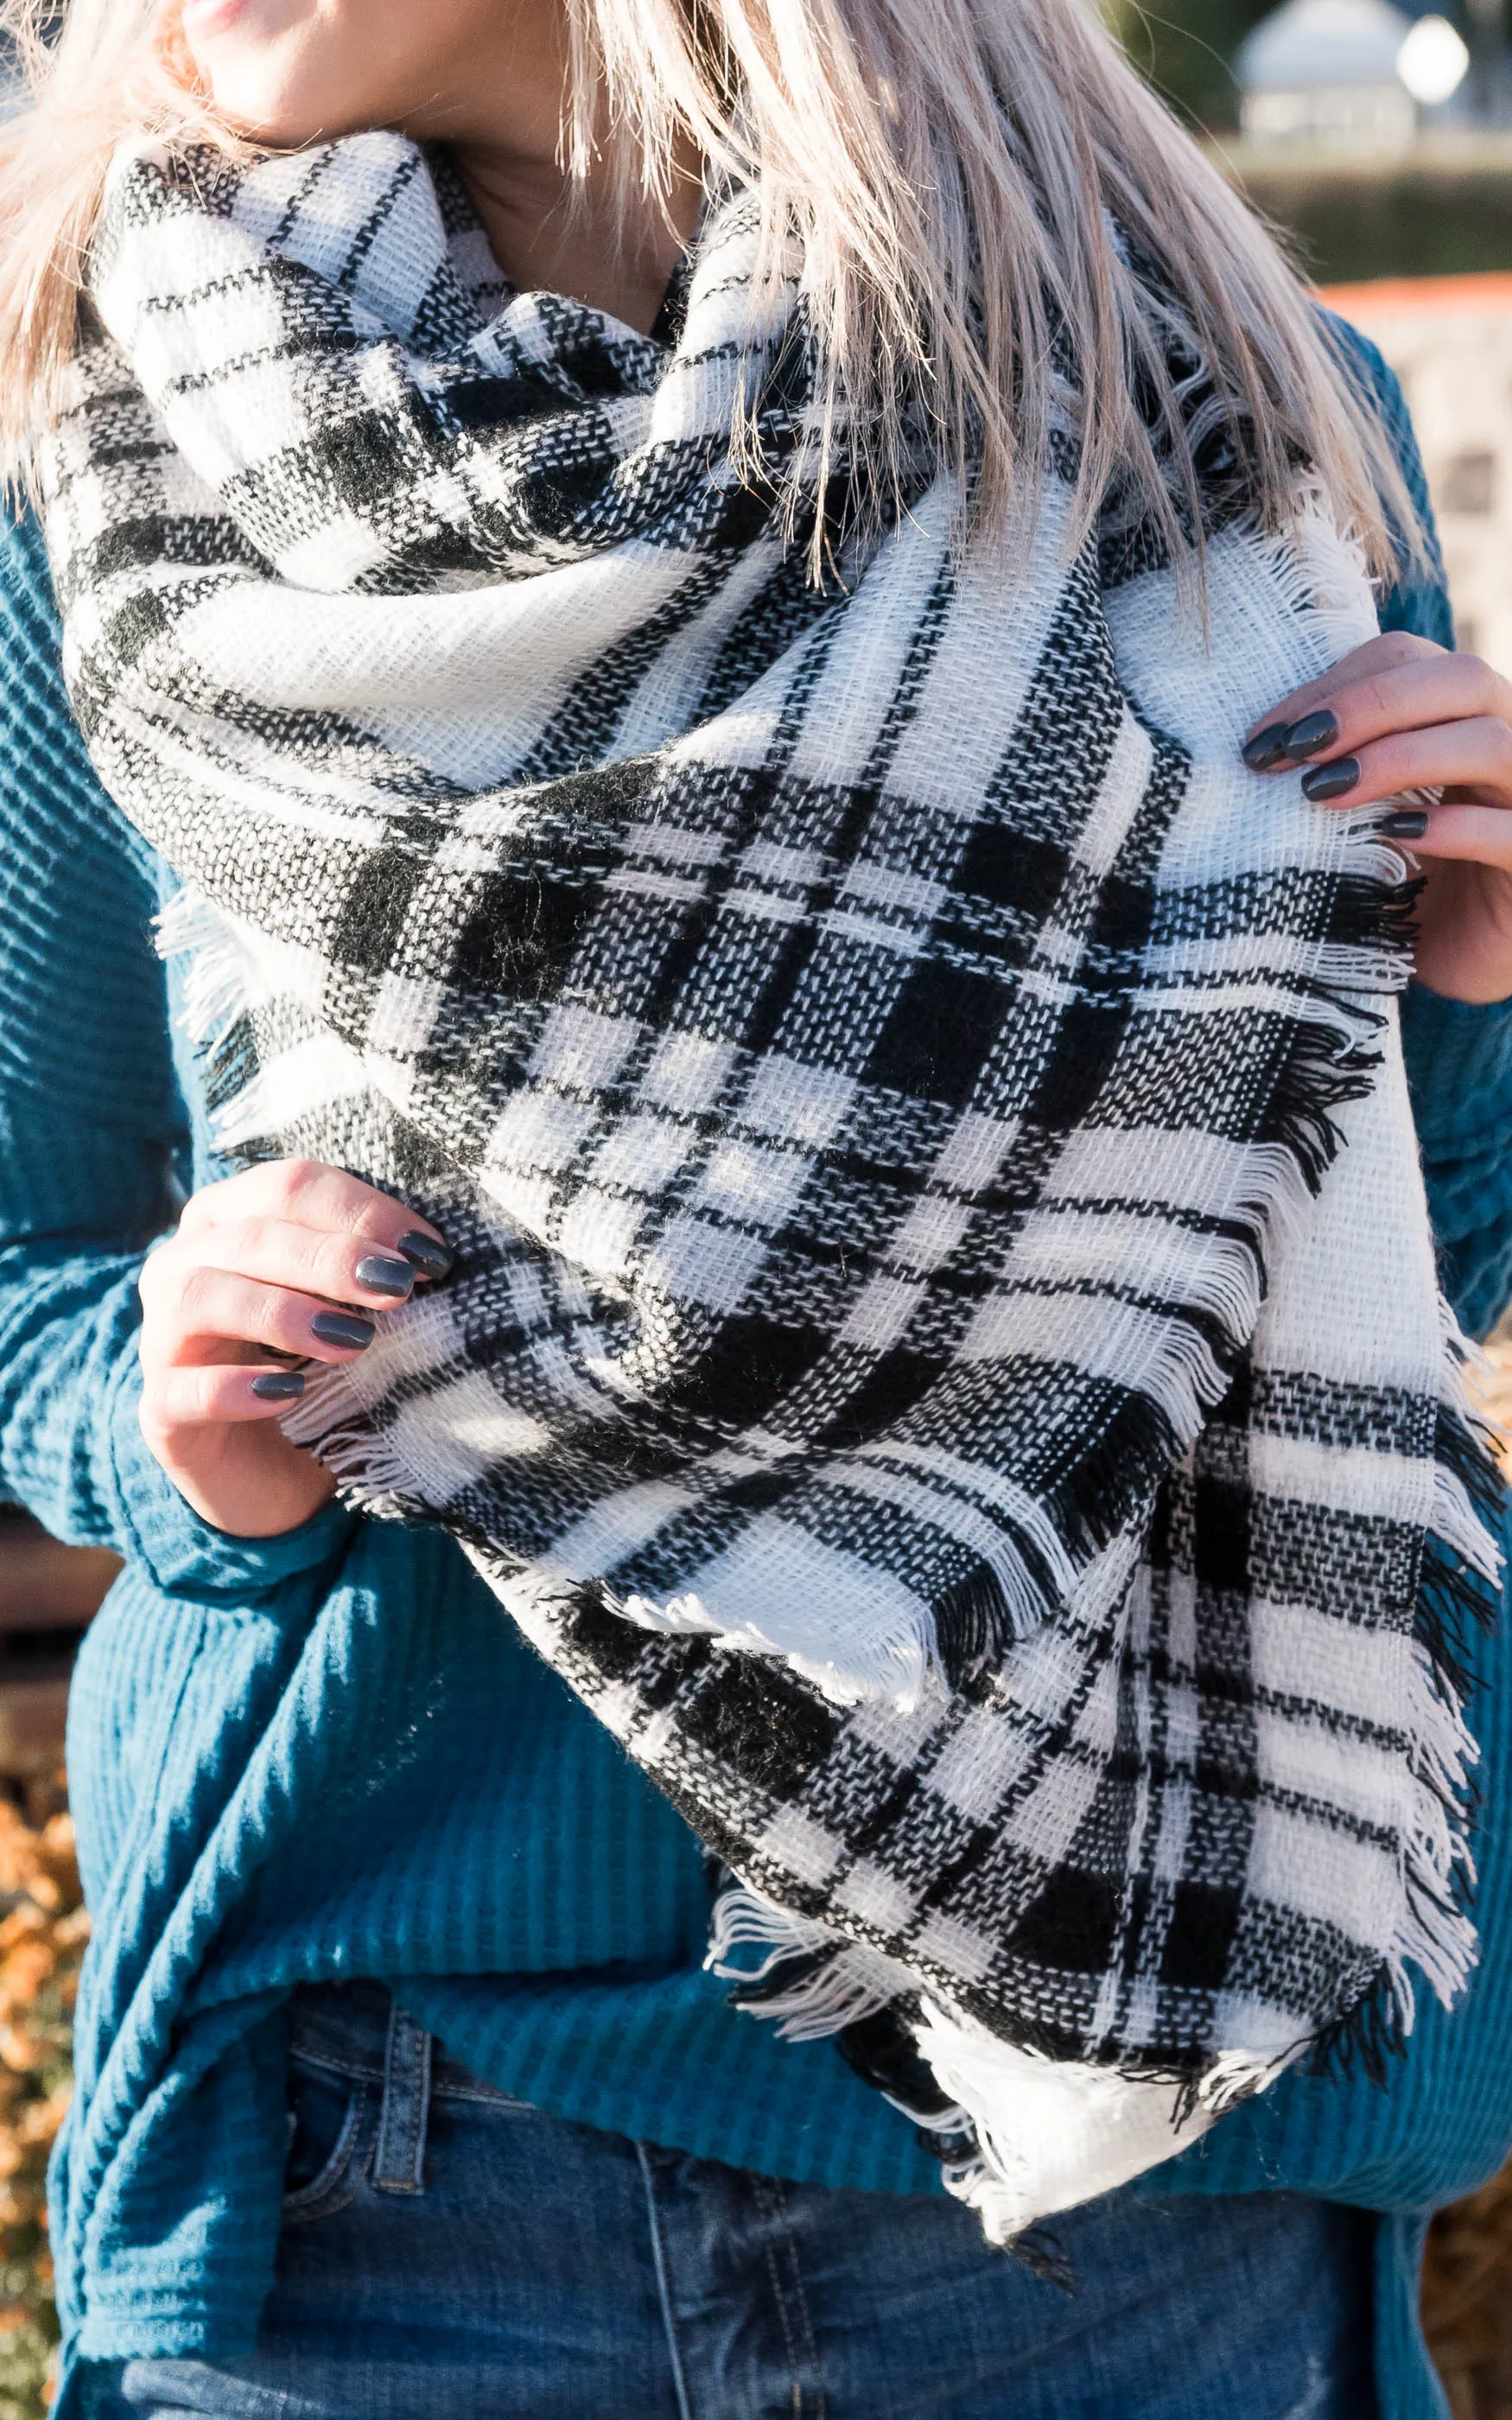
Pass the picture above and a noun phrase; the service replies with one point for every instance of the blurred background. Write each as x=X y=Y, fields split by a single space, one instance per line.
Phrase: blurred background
x=1376 y=139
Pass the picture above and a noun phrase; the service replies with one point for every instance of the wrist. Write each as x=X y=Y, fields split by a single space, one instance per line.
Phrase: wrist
x=187 y=1555
x=1463 y=950
x=1474 y=970
x=253 y=1516
x=1494 y=992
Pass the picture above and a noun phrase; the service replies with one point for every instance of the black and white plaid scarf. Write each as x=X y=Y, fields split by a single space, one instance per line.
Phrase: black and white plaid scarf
x=919 y=1363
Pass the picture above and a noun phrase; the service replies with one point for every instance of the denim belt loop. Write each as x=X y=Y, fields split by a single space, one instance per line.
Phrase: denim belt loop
x=399 y=2154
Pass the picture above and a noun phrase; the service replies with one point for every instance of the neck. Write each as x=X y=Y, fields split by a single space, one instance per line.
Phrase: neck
x=503 y=129
x=542 y=235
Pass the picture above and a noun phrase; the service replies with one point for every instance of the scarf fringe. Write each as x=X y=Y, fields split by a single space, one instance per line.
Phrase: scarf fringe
x=369 y=1475
x=1329 y=1065
x=999 y=2116
x=220 y=982
x=1028 y=1578
x=293 y=771
x=228 y=976
x=970 y=2092
x=814 y=1985
x=1459 y=1589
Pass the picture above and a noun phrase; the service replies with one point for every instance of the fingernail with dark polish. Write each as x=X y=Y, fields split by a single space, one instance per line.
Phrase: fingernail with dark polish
x=1406 y=823
x=429 y=1255
x=381 y=1274
x=1312 y=735
x=1331 y=781
x=343 y=1327
x=1266 y=749
x=278 y=1386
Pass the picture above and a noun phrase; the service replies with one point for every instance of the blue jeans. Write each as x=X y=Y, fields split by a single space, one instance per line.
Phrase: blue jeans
x=450 y=2254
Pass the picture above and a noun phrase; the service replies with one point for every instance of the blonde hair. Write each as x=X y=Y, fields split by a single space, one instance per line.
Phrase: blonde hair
x=984 y=192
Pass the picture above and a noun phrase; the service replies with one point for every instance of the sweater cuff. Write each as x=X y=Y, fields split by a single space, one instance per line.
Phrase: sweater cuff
x=186 y=1556
x=1458 y=1057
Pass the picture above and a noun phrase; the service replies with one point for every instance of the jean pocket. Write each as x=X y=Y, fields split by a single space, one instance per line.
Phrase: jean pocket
x=327 y=2137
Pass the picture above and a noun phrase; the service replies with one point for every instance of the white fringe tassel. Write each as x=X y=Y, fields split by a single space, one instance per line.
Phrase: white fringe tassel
x=1048 y=2134
x=220 y=981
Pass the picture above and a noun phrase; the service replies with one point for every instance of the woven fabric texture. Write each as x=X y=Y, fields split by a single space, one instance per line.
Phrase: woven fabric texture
x=907 y=1366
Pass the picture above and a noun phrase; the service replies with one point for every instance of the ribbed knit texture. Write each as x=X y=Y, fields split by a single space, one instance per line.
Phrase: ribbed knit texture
x=328 y=1754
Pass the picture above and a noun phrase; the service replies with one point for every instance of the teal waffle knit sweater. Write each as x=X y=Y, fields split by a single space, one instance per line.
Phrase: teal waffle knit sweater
x=329 y=1754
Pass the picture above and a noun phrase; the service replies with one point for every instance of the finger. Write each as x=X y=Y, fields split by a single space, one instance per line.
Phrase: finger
x=209 y=1396
x=212 y=1309
x=1480 y=836
x=1383 y=655
x=1475 y=755
x=309 y=1194
x=1379 y=655
x=1452 y=690
x=277 y=1251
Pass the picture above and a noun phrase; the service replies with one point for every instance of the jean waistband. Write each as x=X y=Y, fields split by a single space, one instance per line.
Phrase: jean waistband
x=353 y=2027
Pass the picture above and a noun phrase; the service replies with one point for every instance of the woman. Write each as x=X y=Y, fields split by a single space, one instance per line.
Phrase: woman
x=384 y=1922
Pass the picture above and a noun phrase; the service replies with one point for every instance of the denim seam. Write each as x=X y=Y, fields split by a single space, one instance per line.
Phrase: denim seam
x=799 y=2290
x=658 y=2259
x=772 y=2203
x=354 y=2071
x=770 y=2256
x=335 y=2187
x=484 y=2095
x=360 y=2071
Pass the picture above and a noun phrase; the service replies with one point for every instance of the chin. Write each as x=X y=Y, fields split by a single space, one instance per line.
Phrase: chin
x=267 y=69
x=275 y=118
x=254 y=98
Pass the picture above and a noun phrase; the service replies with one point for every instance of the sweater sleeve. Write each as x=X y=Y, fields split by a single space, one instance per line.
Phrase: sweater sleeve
x=1459 y=1070
x=91 y=1126
x=1418 y=598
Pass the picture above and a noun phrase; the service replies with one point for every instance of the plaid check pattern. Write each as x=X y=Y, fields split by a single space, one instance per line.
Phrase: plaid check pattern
x=921 y=1361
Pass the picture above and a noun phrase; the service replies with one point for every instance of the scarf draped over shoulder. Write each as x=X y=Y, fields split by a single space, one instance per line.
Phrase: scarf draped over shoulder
x=943 y=1352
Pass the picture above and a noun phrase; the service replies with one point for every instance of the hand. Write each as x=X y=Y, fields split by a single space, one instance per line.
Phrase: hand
x=289 y=1260
x=1401 y=714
